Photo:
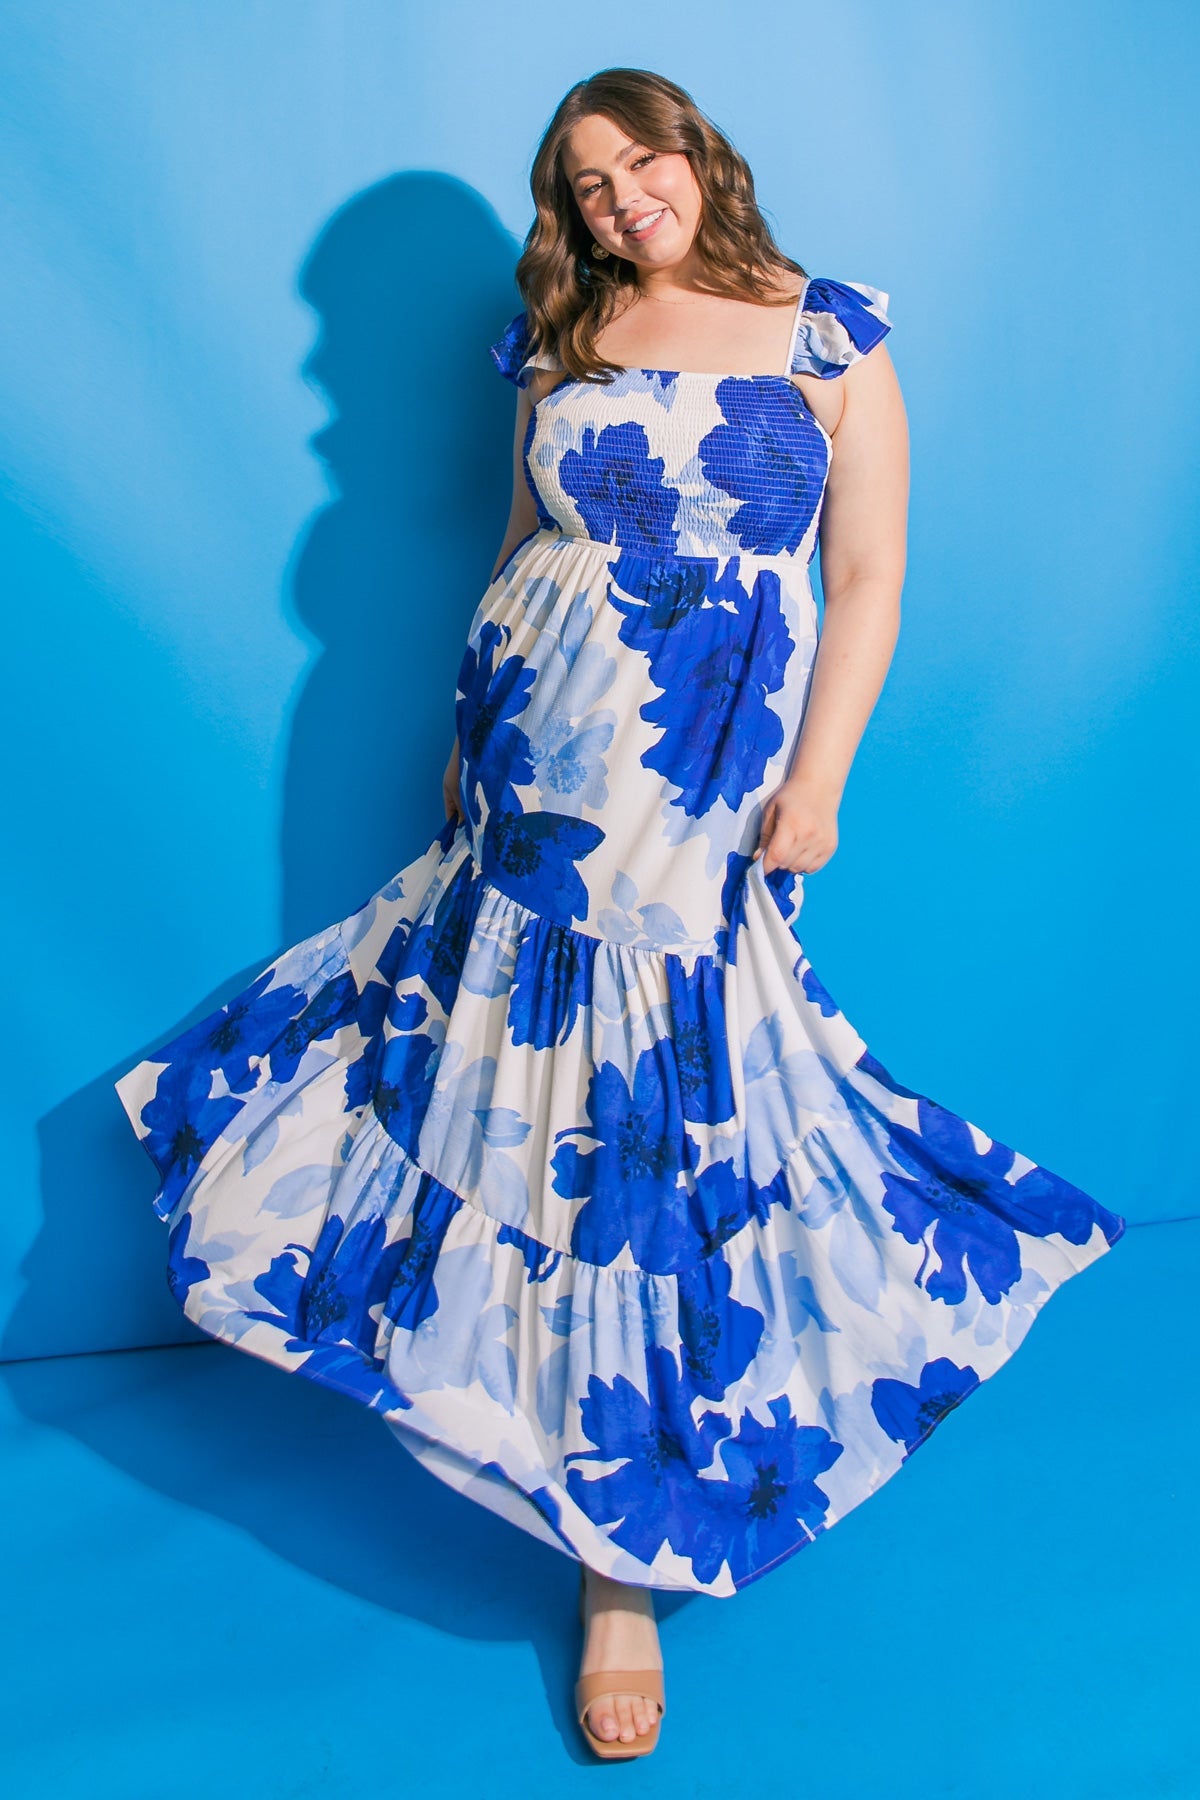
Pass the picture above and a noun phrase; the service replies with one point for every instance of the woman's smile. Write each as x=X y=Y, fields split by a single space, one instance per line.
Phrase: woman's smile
x=645 y=224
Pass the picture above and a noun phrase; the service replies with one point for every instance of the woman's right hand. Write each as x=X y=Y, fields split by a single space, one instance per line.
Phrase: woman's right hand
x=451 y=797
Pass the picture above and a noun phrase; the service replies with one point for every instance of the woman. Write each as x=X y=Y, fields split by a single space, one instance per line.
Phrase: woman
x=557 y=1152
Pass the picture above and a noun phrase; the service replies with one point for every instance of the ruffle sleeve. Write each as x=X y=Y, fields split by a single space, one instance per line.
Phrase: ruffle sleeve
x=838 y=322
x=512 y=355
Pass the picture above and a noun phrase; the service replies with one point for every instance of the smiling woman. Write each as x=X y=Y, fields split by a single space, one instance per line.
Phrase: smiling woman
x=558 y=1153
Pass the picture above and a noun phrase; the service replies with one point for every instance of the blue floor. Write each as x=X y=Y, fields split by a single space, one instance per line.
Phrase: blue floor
x=224 y=1581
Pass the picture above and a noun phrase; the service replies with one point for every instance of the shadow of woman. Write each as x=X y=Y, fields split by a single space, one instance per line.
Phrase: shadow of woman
x=409 y=280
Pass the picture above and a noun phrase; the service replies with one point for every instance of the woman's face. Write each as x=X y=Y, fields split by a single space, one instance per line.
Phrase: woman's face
x=639 y=203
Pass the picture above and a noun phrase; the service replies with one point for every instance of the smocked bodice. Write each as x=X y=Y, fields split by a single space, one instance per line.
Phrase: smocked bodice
x=679 y=463
x=686 y=464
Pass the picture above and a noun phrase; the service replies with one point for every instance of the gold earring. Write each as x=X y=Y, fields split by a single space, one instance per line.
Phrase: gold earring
x=599 y=252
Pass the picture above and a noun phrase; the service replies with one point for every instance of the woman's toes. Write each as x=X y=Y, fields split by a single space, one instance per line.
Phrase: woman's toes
x=604 y=1719
x=625 y=1715
x=641 y=1715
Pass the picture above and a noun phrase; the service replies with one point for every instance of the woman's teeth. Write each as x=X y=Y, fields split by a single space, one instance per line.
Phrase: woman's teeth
x=644 y=223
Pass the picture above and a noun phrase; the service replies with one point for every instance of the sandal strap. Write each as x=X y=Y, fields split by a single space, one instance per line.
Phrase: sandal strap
x=646 y=1682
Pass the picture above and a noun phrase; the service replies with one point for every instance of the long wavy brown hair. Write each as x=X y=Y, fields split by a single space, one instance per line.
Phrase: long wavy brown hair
x=569 y=295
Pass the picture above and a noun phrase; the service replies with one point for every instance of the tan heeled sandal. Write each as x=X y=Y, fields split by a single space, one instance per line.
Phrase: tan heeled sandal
x=646 y=1682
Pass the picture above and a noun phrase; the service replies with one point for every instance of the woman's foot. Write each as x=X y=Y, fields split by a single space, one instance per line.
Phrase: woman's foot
x=619 y=1632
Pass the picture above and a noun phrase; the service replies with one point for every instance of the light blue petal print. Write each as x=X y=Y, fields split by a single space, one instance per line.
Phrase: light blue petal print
x=299 y=1191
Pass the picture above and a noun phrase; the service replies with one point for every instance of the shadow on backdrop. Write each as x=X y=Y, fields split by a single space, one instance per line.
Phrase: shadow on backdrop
x=409 y=280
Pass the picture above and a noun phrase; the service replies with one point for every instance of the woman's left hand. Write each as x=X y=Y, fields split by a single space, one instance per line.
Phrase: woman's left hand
x=799 y=829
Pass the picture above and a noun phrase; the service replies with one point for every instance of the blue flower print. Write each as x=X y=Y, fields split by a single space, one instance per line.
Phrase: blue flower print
x=408 y=1066
x=540 y=1260
x=245 y=1026
x=303 y=1306
x=818 y=993
x=437 y=948
x=974 y=1209
x=283 y=1284
x=510 y=351
x=331 y=1007
x=907 y=1413
x=619 y=488
x=718 y=1335
x=656 y=1496
x=531 y=857
x=361 y=1073
x=766 y=457
x=569 y=762
x=773 y=1502
x=183 y=1121
x=700 y=1039
x=465 y=1341
x=627 y=922
x=768 y=1505
x=495 y=753
x=183 y=1271
x=553 y=982
x=733 y=904
x=716 y=664
x=632 y=1181
x=413 y=1295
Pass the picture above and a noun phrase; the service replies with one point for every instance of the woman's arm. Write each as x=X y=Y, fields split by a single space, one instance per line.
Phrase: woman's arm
x=862 y=537
x=522 y=519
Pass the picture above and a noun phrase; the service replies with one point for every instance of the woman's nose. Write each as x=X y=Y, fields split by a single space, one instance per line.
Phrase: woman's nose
x=626 y=196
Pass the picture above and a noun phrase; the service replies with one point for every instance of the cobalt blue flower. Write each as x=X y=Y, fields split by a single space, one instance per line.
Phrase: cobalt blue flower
x=773 y=1502
x=338 y=1294
x=282 y=1284
x=407 y=1074
x=552 y=983
x=495 y=756
x=634 y=1179
x=413 y=1297
x=768 y=1505
x=782 y=884
x=733 y=905
x=245 y=1026
x=700 y=1039
x=719 y=1336
x=183 y=1121
x=332 y=1006
x=656 y=1496
x=329 y=1316
x=531 y=857
x=909 y=1413
x=716 y=664
x=974 y=1209
x=183 y=1271
x=376 y=1003
x=437 y=947
x=619 y=488
x=767 y=457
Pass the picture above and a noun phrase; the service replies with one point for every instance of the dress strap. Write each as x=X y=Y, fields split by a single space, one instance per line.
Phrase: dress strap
x=513 y=356
x=838 y=322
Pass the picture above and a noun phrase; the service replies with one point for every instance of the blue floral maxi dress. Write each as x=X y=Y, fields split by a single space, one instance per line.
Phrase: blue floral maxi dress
x=556 y=1152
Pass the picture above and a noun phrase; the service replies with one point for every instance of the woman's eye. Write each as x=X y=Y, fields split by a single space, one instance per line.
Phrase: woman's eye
x=646 y=156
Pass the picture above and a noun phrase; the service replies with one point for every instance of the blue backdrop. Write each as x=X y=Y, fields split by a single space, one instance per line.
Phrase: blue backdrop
x=254 y=259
